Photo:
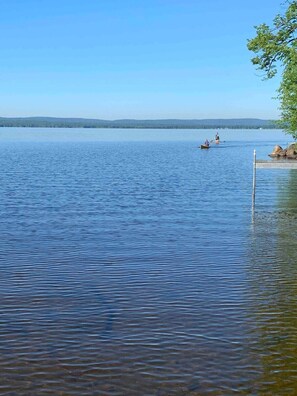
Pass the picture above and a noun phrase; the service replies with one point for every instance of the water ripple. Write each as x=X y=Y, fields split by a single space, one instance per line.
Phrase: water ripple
x=132 y=268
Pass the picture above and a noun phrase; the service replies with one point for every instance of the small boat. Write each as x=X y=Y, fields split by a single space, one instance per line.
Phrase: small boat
x=217 y=141
x=204 y=146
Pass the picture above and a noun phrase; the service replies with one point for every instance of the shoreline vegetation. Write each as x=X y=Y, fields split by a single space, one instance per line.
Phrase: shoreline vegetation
x=53 y=122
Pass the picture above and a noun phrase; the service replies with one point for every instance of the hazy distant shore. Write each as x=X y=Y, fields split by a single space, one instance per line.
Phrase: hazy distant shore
x=52 y=122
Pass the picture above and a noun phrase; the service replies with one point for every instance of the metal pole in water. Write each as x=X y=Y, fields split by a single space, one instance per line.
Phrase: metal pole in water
x=254 y=181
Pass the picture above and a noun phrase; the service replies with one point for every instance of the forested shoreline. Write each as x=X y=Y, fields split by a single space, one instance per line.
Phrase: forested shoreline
x=52 y=122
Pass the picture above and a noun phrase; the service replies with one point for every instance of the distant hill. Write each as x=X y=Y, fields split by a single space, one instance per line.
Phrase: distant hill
x=53 y=122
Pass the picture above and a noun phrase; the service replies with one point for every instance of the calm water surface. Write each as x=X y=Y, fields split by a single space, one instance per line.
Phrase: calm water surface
x=130 y=265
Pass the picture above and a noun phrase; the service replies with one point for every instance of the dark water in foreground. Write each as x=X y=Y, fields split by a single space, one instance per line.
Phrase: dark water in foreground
x=132 y=267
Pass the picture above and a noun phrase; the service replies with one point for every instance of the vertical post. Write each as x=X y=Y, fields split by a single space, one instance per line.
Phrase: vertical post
x=254 y=182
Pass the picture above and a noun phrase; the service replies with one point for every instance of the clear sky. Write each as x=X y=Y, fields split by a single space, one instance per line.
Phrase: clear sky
x=143 y=59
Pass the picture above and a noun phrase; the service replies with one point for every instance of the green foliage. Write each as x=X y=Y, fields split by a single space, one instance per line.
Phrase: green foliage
x=276 y=48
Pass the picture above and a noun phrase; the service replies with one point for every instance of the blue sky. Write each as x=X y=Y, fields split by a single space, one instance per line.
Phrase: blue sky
x=142 y=59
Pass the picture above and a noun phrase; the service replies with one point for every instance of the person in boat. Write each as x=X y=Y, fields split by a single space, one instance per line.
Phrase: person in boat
x=206 y=143
x=217 y=137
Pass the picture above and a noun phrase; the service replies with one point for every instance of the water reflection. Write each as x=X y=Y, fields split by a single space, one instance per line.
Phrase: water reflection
x=273 y=287
x=124 y=269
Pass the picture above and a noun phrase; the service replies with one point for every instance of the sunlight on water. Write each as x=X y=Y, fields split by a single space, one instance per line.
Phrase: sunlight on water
x=133 y=267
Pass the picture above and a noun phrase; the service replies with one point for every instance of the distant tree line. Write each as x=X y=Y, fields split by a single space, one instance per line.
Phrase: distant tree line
x=50 y=122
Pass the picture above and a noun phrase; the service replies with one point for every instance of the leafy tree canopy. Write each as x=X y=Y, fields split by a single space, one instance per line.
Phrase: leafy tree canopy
x=276 y=48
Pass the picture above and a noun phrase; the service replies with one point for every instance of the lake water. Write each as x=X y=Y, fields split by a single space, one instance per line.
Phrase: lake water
x=130 y=264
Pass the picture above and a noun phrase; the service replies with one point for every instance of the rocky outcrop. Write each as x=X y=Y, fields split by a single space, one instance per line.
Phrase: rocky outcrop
x=278 y=151
x=290 y=152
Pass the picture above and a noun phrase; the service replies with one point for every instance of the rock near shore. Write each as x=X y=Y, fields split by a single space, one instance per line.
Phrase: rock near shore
x=290 y=152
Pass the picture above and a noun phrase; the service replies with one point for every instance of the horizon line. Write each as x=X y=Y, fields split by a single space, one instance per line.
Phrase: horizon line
x=143 y=119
